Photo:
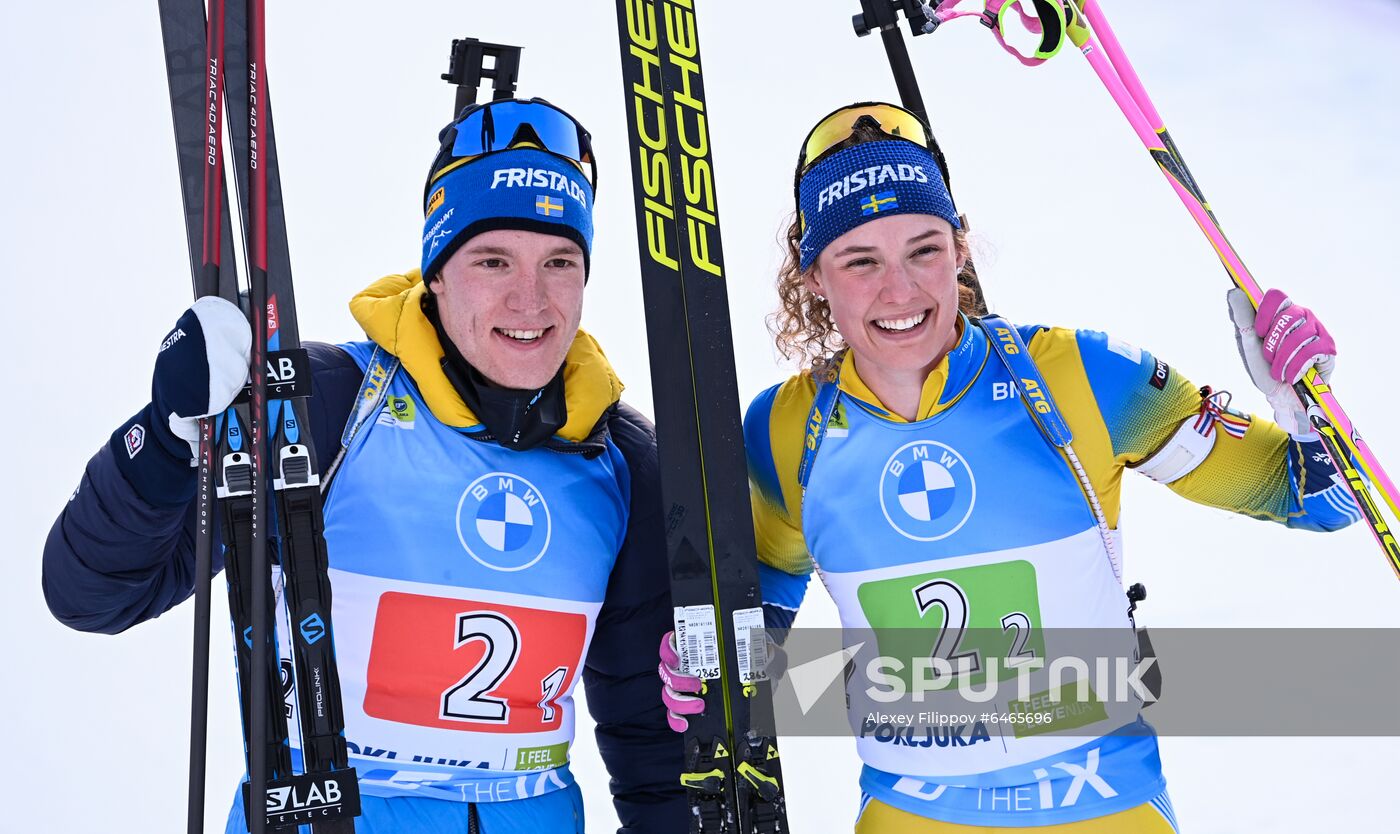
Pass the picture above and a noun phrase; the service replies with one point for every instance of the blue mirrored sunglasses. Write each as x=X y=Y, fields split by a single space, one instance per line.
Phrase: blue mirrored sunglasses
x=499 y=125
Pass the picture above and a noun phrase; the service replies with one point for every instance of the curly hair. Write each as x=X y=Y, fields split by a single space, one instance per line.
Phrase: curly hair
x=802 y=327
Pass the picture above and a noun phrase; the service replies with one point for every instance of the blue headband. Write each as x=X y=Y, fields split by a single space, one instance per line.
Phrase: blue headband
x=866 y=182
x=523 y=188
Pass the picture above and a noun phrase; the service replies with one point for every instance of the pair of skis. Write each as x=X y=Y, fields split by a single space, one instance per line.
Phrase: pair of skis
x=258 y=473
x=1084 y=24
x=733 y=776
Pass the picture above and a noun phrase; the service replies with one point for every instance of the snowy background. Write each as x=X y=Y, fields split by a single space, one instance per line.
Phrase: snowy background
x=1286 y=111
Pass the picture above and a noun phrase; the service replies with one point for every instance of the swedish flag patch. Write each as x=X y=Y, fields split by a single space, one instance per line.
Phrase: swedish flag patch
x=546 y=205
x=876 y=203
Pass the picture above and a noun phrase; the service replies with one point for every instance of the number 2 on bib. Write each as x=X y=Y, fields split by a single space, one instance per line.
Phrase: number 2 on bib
x=471 y=664
x=960 y=617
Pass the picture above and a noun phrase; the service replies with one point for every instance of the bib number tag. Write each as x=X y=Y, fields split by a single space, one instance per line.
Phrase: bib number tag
x=752 y=643
x=697 y=638
x=471 y=664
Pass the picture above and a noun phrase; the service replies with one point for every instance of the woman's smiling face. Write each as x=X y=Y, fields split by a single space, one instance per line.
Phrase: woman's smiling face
x=892 y=285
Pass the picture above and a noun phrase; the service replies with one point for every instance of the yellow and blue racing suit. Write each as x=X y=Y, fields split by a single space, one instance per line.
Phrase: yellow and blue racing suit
x=970 y=496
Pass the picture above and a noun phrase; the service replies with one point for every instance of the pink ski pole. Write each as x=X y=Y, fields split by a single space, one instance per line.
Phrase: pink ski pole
x=1343 y=442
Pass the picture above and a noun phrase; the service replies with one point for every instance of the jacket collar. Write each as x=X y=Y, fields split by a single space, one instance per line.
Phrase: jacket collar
x=944 y=385
x=390 y=311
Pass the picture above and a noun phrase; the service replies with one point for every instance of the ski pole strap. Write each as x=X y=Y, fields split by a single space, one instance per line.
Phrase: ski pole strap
x=1049 y=23
x=828 y=379
x=374 y=388
x=1026 y=377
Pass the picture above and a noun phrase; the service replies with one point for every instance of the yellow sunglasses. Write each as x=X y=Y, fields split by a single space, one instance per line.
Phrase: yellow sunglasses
x=837 y=127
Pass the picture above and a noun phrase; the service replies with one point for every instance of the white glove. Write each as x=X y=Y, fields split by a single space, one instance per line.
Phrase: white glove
x=201 y=367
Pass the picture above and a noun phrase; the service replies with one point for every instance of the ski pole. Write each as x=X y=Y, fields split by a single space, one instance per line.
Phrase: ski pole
x=208 y=284
x=193 y=47
x=1082 y=18
x=1344 y=444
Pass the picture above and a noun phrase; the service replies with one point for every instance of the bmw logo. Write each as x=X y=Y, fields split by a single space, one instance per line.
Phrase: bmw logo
x=503 y=522
x=927 y=490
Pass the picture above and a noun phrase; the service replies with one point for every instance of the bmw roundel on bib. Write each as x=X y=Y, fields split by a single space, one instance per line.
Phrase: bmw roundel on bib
x=503 y=521
x=927 y=490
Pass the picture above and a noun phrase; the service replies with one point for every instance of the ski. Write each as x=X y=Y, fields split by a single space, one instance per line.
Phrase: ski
x=326 y=793
x=234 y=461
x=732 y=770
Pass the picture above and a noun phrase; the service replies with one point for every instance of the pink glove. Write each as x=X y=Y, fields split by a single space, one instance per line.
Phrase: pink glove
x=679 y=692
x=1293 y=339
x=1279 y=344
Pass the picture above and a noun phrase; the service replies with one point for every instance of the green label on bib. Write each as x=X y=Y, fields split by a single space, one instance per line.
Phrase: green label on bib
x=1066 y=711
x=542 y=758
x=966 y=616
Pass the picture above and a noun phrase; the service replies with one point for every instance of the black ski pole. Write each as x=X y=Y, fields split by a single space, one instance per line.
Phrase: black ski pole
x=194 y=71
x=197 y=72
x=208 y=283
